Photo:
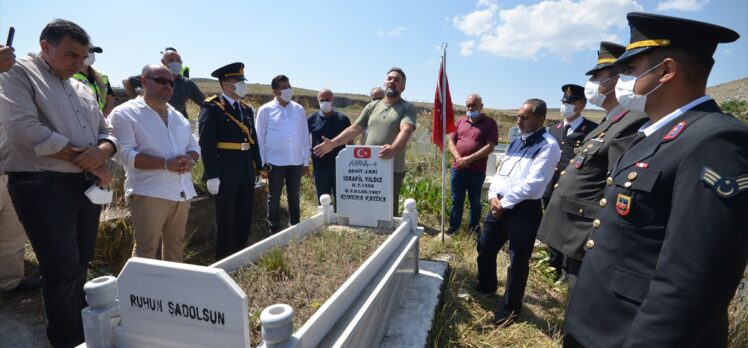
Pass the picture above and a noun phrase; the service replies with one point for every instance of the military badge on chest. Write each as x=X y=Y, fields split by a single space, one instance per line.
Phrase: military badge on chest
x=623 y=204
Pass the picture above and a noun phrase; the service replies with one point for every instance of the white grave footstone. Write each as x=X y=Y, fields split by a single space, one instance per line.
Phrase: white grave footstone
x=167 y=304
x=363 y=186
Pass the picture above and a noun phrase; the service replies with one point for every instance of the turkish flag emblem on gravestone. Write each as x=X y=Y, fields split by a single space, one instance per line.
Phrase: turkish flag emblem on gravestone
x=362 y=152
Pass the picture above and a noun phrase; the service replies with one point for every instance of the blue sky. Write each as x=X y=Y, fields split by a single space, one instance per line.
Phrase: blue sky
x=506 y=50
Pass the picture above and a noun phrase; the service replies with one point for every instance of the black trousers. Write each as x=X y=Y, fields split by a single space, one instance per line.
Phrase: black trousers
x=572 y=271
x=61 y=224
x=233 y=215
x=291 y=176
x=519 y=226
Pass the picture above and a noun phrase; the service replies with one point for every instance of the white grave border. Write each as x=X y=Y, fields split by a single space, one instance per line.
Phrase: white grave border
x=378 y=285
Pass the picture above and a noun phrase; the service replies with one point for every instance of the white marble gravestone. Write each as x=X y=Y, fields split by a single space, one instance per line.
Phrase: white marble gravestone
x=167 y=304
x=363 y=186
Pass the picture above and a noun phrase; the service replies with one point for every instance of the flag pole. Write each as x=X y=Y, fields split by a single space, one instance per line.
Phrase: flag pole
x=443 y=92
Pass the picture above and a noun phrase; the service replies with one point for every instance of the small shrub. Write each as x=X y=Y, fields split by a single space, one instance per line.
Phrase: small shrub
x=737 y=108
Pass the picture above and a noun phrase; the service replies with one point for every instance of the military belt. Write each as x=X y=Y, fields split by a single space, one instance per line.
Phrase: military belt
x=233 y=146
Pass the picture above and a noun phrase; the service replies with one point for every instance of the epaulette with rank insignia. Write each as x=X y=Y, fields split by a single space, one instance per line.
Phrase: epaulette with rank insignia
x=724 y=187
x=210 y=99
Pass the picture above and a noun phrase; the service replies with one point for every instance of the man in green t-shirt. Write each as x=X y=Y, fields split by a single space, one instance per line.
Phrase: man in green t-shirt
x=390 y=122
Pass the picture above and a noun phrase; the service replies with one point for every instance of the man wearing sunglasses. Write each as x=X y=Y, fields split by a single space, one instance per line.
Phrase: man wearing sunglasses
x=158 y=152
x=570 y=214
x=184 y=88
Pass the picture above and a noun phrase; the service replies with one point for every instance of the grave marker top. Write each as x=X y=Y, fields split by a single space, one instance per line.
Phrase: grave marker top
x=363 y=186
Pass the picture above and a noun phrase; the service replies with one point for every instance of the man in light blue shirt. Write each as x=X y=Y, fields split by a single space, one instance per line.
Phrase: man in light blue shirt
x=515 y=208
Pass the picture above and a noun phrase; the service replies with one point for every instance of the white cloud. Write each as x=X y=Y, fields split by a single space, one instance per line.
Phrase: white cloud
x=396 y=32
x=681 y=5
x=555 y=27
x=478 y=22
x=466 y=47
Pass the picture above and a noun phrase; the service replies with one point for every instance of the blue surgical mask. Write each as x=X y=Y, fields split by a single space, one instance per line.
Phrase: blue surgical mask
x=473 y=114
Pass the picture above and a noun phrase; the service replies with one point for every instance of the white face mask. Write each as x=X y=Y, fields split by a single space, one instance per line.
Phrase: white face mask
x=98 y=196
x=592 y=91
x=240 y=88
x=286 y=94
x=625 y=92
x=325 y=106
x=567 y=110
x=174 y=67
x=90 y=59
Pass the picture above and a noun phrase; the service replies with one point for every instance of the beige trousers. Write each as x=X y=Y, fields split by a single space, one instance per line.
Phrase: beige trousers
x=12 y=239
x=155 y=219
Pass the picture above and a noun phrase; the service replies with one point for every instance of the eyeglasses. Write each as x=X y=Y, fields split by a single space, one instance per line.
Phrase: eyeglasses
x=161 y=80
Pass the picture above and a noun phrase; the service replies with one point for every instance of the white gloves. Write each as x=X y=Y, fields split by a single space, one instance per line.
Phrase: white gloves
x=213 y=185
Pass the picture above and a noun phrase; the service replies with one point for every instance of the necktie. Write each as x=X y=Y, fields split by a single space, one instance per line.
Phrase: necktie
x=239 y=110
x=565 y=131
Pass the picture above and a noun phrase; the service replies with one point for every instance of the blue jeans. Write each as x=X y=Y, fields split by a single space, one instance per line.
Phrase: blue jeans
x=462 y=181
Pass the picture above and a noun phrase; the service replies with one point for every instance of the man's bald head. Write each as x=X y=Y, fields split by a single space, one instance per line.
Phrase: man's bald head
x=151 y=69
x=324 y=95
x=376 y=93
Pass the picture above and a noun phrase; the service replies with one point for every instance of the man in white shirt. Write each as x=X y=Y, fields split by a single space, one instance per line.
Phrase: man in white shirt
x=515 y=208
x=158 y=152
x=285 y=146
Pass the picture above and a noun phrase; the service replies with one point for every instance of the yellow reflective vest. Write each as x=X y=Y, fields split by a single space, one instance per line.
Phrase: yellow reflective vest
x=99 y=91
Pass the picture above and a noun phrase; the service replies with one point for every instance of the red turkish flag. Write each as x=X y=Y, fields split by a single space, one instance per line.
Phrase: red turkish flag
x=437 y=135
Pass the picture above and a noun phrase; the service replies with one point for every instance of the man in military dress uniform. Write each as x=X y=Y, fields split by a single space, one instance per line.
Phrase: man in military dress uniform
x=568 y=216
x=569 y=134
x=668 y=249
x=231 y=157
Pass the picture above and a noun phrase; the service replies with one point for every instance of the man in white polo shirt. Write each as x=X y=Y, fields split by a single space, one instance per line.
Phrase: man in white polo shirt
x=158 y=152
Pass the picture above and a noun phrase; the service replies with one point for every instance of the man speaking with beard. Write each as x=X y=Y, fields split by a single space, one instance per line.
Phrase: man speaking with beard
x=390 y=123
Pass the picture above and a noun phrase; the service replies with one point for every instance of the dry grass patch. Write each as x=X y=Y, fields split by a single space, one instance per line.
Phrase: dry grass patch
x=465 y=318
x=305 y=274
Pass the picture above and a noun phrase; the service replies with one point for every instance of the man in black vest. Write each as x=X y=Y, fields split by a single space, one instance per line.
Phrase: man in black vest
x=568 y=216
x=569 y=133
x=668 y=249
x=231 y=157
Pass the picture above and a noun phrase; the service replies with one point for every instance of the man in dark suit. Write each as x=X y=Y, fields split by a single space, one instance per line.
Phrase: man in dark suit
x=231 y=157
x=569 y=134
x=668 y=248
x=568 y=216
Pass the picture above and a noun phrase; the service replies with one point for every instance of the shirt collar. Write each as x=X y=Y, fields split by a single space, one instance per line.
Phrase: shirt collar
x=228 y=99
x=574 y=124
x=615 y=111
x=649 y=127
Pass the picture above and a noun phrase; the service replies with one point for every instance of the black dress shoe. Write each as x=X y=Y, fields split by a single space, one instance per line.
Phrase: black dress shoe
x=475 y=286
x=29 y=284
x=505 y=317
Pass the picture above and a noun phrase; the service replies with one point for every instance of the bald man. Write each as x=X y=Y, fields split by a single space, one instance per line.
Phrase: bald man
x=184 y=88
x=158 y=152
x=326 y=123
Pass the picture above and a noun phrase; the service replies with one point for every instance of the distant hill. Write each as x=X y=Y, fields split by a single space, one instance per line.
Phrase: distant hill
x=733 y=90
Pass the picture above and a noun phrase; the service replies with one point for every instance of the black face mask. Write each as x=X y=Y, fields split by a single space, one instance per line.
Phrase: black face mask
x=391 y=92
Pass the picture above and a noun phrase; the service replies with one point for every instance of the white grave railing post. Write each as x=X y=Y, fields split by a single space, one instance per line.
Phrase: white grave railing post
x=327 y=208
x=277 y=326
x=100 y=317
x=410 y=214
